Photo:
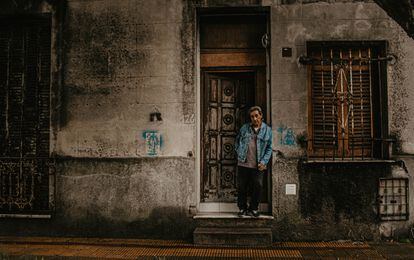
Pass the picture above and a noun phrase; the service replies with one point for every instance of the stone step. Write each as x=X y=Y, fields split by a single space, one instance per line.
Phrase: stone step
x=233 y=236
x=232 y=220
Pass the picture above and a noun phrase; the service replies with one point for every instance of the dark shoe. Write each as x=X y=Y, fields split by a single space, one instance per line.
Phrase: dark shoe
x=242 y=213
x=255 y=213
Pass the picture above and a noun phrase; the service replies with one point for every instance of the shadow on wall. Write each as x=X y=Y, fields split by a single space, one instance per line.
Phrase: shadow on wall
x=337 y=201
x=163 y=222
x=323 y=227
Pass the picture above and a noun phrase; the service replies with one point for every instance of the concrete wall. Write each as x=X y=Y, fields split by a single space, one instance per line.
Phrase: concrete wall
x=123 y=61
x=115 y=62
x=291 y=26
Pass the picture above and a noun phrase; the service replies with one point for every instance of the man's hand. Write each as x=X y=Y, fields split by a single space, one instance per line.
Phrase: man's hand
x=261 y=167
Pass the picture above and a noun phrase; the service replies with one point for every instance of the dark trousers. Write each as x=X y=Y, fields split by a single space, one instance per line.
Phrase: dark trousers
x=249 y=179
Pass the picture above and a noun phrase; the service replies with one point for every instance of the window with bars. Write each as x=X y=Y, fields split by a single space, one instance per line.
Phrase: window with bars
x=393 y=199
x=25 y=172
x=347 y=100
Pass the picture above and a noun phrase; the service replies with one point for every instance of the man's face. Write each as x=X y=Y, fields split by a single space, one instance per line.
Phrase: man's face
x=256 y=118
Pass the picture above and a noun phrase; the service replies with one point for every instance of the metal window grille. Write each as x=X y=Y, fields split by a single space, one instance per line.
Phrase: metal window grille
x=346 y=101
x=26 y=172
x=393 y=199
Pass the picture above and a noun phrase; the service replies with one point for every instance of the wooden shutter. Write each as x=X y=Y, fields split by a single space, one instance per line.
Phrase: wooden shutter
x=324 y=117
x=361 y=133
x=340 y=102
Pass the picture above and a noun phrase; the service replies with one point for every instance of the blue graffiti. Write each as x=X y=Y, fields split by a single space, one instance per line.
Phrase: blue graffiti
x=280 y=130
x=286 y=136
x=290 y=137
x=153 y=142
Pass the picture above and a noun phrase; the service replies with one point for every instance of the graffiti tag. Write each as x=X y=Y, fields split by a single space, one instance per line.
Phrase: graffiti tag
x=286 y=136
x=153 y=142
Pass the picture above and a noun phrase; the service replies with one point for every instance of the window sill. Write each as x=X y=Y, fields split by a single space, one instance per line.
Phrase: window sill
x=31 y=216
x=347 y=161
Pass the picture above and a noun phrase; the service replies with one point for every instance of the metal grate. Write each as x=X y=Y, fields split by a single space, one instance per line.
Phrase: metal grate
x=346 y=101
x=393 y=199
x=25 y=168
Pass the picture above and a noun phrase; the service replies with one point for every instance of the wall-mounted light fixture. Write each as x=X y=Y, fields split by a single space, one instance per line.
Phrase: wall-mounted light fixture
x=286 y=52
x=155 y=115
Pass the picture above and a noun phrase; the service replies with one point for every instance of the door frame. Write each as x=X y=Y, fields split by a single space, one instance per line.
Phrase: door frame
x=226 y=206
x=223 y=206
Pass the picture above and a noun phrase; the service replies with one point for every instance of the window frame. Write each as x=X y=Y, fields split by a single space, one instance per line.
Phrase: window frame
x=379 y=125
x=400 y=199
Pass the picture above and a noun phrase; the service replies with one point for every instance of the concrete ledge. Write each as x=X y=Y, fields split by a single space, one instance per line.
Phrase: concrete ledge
x=219 y=215
x=230 y=231
x=227 y=220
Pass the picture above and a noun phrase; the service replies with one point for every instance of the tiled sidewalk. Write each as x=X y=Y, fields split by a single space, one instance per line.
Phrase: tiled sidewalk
x=48 y=247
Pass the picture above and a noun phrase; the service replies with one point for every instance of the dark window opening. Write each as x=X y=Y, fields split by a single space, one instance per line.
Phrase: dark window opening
x=347 y=100
x=24 y=114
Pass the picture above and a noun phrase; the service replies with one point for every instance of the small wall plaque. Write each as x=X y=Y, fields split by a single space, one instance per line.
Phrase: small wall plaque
x=290 y=189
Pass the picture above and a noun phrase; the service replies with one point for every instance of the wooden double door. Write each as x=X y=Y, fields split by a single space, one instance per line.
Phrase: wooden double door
x=227 y=97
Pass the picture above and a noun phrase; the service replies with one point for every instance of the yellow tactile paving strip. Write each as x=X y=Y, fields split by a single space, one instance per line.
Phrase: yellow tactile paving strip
x=322 y=244
x=94 y=241
x=134 y=252
x=143 y=248
x=164 y=243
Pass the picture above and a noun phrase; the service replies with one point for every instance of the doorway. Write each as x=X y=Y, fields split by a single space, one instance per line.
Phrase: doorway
x=233 y=71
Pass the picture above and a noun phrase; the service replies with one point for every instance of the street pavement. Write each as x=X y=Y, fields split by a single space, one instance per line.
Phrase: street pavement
x=104 y=248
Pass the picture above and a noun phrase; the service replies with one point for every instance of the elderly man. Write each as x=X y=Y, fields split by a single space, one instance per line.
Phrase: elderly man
x=254 y=148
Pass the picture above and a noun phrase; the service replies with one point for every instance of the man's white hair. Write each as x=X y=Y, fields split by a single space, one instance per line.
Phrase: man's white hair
x=256 y=108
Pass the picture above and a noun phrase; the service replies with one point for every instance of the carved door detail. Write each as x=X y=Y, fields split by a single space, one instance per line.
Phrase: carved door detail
x=227 y=98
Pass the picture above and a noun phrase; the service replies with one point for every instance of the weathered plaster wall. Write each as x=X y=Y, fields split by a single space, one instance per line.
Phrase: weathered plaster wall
x=292 y=24
x=123 y=61
x=122 y=189
x=113 y=197
x=115 y=62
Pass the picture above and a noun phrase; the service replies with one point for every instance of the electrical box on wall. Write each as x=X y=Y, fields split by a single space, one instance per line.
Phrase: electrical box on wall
x=290 y=189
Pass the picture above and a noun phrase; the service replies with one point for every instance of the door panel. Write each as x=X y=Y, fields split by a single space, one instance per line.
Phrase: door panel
x=228 y=97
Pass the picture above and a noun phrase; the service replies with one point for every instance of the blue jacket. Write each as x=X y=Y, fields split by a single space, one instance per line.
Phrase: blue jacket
x=264 y=143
